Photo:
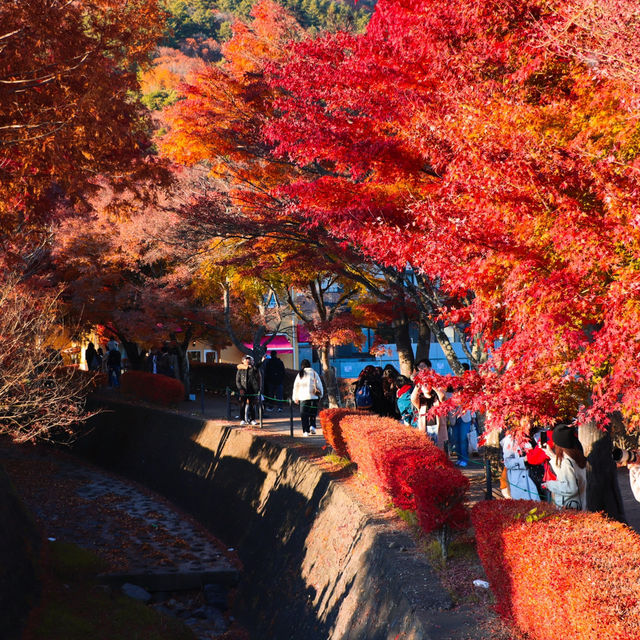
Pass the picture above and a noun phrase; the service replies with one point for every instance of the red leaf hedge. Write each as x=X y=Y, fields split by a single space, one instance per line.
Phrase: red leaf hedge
x=407 y=466
x=439 y=496
x=330 y=424
x=570 y=574
x=152 y=387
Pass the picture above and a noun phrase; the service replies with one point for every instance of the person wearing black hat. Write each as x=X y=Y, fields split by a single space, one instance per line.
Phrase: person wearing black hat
x=569 y=489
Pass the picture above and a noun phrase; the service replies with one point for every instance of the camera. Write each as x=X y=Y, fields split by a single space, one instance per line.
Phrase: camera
x=625 y=456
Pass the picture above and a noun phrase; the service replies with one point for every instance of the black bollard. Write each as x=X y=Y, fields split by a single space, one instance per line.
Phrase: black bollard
x=487 y=472
x=228 y=403
x=291 y=415
x=202 y=397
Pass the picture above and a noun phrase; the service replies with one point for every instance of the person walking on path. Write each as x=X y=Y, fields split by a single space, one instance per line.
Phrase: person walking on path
x=274 y=380
x=248 y=383
x=92 y=358
x=461 y=430
x=307 y=391
x=114 y=364
x=424 y=397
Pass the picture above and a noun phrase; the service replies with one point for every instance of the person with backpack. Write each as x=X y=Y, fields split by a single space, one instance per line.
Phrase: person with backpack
x=307 y=391
x=403 y=401
x=368 y=390
x=273 y=380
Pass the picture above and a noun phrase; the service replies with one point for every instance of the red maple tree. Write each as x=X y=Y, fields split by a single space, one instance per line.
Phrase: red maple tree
x=502 y=171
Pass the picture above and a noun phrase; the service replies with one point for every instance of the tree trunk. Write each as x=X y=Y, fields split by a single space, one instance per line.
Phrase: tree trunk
x=447 y=347
x=603 y=492
x=424 y=340
x=403 y=344
x=133 y=353
x=183 y=373
x=329 y=377
x=185 y=369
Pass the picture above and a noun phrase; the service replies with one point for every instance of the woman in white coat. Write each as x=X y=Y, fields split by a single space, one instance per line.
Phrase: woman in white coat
x=569 y=489
x=521 y=486
x=307 y=391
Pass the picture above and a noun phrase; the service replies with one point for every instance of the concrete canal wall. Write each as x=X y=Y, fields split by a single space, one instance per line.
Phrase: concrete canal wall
x=317 y=566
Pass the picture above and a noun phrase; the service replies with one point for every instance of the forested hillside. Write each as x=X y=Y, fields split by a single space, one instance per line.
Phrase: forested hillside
x=211 y=19
x=196 y=29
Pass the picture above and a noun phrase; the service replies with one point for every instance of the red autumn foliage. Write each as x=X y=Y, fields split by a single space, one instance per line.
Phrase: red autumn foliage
x=152 y=387
x=330 y=423
x=489 y=145
x=567 y=570
x=408 y=467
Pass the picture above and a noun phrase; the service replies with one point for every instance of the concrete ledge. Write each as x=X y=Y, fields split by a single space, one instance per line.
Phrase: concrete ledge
x=167 y=581
x=317 y=566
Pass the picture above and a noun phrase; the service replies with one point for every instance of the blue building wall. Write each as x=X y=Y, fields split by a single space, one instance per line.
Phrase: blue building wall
x=352 y=366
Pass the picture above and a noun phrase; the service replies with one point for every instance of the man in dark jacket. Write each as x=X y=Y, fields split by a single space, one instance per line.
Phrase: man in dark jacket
x=114 y=366
x=248 y=382
x=274 y=379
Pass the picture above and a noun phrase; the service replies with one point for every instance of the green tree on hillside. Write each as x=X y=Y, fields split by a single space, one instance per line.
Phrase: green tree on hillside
x=210 y=18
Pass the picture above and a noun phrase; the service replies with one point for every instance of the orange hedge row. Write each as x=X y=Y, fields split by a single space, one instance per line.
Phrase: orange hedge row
x=152 y=387
x=408 y=467
x=330 y=424
x=569 y=574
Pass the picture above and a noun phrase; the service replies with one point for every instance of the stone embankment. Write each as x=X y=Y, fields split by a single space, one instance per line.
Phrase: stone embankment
x=316 y=564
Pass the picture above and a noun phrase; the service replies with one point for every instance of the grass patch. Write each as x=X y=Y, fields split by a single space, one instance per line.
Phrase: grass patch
x=75 y=607
x=338 y=461
x=409 y=517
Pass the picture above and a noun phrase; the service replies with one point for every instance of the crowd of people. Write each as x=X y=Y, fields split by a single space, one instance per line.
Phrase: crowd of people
x=385 y=392
x=548 y=466
x=163 y=360
x=255 y=384
x=109 y=362
x=266 y=383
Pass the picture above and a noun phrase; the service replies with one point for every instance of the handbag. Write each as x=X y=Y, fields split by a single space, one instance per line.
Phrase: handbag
x=473 y=439
x=316 y=390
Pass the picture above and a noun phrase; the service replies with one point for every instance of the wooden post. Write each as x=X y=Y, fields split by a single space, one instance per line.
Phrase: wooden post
x=291 y=415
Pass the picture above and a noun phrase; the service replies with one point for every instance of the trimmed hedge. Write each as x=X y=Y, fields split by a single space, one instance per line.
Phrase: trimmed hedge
x=330 y=423
x=406 y=465
x=152 y=387
x=568 y=573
